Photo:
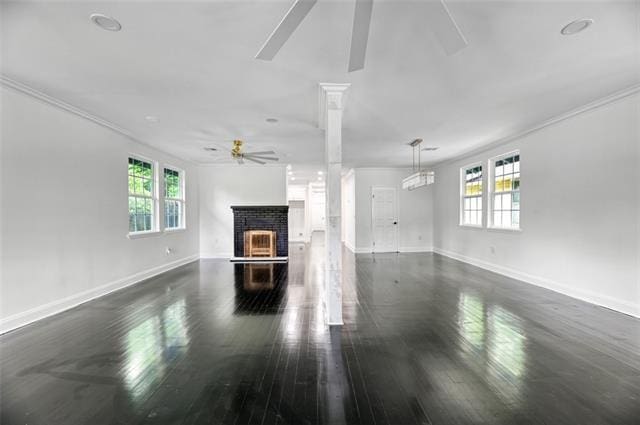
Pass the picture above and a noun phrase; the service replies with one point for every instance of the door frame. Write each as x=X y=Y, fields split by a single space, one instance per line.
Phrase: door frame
x=397 y=214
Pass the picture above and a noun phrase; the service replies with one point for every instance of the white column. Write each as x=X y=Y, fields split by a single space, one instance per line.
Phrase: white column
x=331 y=107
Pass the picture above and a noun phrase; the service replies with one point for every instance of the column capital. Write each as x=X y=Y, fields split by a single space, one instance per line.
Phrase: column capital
x=330 y=96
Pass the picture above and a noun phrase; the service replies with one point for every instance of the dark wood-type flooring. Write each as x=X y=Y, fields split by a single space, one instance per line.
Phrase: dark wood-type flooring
x=426 y=340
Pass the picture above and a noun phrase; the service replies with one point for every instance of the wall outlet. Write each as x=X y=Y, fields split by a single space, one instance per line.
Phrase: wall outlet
x=168 y=251
x=492 y=249
x=419 y=237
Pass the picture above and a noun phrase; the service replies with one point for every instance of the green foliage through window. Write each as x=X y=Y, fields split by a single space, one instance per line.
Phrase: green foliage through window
x=472 y=196
x=173 y=199
x=141 y=190
x=506 y=193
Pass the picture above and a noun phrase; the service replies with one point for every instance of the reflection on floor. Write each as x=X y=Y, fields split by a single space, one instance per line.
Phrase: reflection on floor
x=427 y=340
x=260 y=287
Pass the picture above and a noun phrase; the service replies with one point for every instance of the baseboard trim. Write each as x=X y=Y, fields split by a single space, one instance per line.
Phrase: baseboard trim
x=580 y=294
x=350 y=247
x=404 y=249
x=58 y=306
x=216 y=255
x=416 y=249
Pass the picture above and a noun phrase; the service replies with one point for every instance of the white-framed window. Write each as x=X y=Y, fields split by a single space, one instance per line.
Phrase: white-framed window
x=143 y=196
x=174 y=199
x=471 y=195
x=505 y=191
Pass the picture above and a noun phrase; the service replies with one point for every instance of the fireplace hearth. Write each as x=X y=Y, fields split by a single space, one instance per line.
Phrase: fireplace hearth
x=260 y=232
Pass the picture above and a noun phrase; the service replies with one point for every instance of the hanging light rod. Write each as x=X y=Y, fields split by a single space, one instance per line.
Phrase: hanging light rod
x=419 y=177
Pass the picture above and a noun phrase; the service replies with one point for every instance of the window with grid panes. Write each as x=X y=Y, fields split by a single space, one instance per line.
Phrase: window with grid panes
x=471 y=202
x=505 y=195
x=173 y=199
x=142 y=197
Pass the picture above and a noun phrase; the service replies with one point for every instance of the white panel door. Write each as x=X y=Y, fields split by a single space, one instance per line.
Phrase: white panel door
x=296 y=220
x=317 y=210
x=384 y=219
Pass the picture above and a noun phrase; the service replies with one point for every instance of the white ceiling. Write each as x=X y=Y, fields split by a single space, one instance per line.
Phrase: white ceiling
x=191 y=64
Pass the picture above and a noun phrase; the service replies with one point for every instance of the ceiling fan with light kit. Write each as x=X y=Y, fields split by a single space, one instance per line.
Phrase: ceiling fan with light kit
x=440 y=20
x=240 y=156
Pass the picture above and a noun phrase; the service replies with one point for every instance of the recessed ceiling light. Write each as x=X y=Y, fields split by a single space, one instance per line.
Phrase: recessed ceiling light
x=319 y=173
x=293 y=178
x=576 y=26
x=272 y=120
x=290 y=173
x=151 y=118
x=319 y=178
x=430 y=148
x=210 y=149
x=105 y=22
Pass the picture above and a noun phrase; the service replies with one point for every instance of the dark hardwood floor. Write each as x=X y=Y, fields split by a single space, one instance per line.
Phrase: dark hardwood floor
x=426 y=340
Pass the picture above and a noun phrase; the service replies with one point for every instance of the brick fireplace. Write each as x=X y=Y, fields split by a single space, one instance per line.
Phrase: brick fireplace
x=259 y=231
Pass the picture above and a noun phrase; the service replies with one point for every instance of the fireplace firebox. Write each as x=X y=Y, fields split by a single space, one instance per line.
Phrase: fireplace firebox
x=259 y=243
x=260 y=232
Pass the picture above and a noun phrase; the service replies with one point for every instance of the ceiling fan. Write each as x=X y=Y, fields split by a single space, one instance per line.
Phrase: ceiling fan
x=441 y=22
x=257 y=157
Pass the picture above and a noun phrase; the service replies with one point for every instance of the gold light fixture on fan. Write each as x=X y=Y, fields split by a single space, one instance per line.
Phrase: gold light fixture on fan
x=257 y=157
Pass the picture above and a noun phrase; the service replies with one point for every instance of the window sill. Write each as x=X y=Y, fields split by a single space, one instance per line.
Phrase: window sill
x=505 y=229
x=140 y=235
x=471 y=226
x=176 y=230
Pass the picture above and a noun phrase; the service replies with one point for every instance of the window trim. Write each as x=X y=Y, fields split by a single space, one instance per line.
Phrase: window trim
x=462 y=185
x=183 y=200
x=155 y=225
x=491 y=193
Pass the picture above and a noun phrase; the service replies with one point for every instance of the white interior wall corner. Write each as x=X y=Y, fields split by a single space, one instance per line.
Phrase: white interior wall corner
x=576 y=212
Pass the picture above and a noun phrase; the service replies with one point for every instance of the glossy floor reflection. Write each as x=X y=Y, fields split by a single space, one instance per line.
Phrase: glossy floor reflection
x=427 y=340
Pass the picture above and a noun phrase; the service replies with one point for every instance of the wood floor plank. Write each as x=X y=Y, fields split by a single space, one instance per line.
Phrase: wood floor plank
x=426 y=340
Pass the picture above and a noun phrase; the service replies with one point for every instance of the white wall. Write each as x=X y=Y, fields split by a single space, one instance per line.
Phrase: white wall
x=296 y=192
x=580 y=209
x=415 y=210
x=64 y=212
x=349 y=210
x=222 y=186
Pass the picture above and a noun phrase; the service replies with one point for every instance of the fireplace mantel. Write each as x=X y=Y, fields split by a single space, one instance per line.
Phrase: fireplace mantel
x=259 y=207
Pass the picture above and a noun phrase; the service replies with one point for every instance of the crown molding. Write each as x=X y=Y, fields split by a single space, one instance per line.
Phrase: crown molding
x=382 y=168
x=64 y=106
x=613 y=97
x=30 y=91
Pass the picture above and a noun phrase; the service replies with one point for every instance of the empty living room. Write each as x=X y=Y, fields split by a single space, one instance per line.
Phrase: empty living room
x=372 y=212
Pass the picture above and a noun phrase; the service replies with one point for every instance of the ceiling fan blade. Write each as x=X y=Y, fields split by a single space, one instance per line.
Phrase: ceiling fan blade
x=255 y=160
x=285 y=28
x=261 y=153
x=360 y=34
x=446 y=29
x=268 y=158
